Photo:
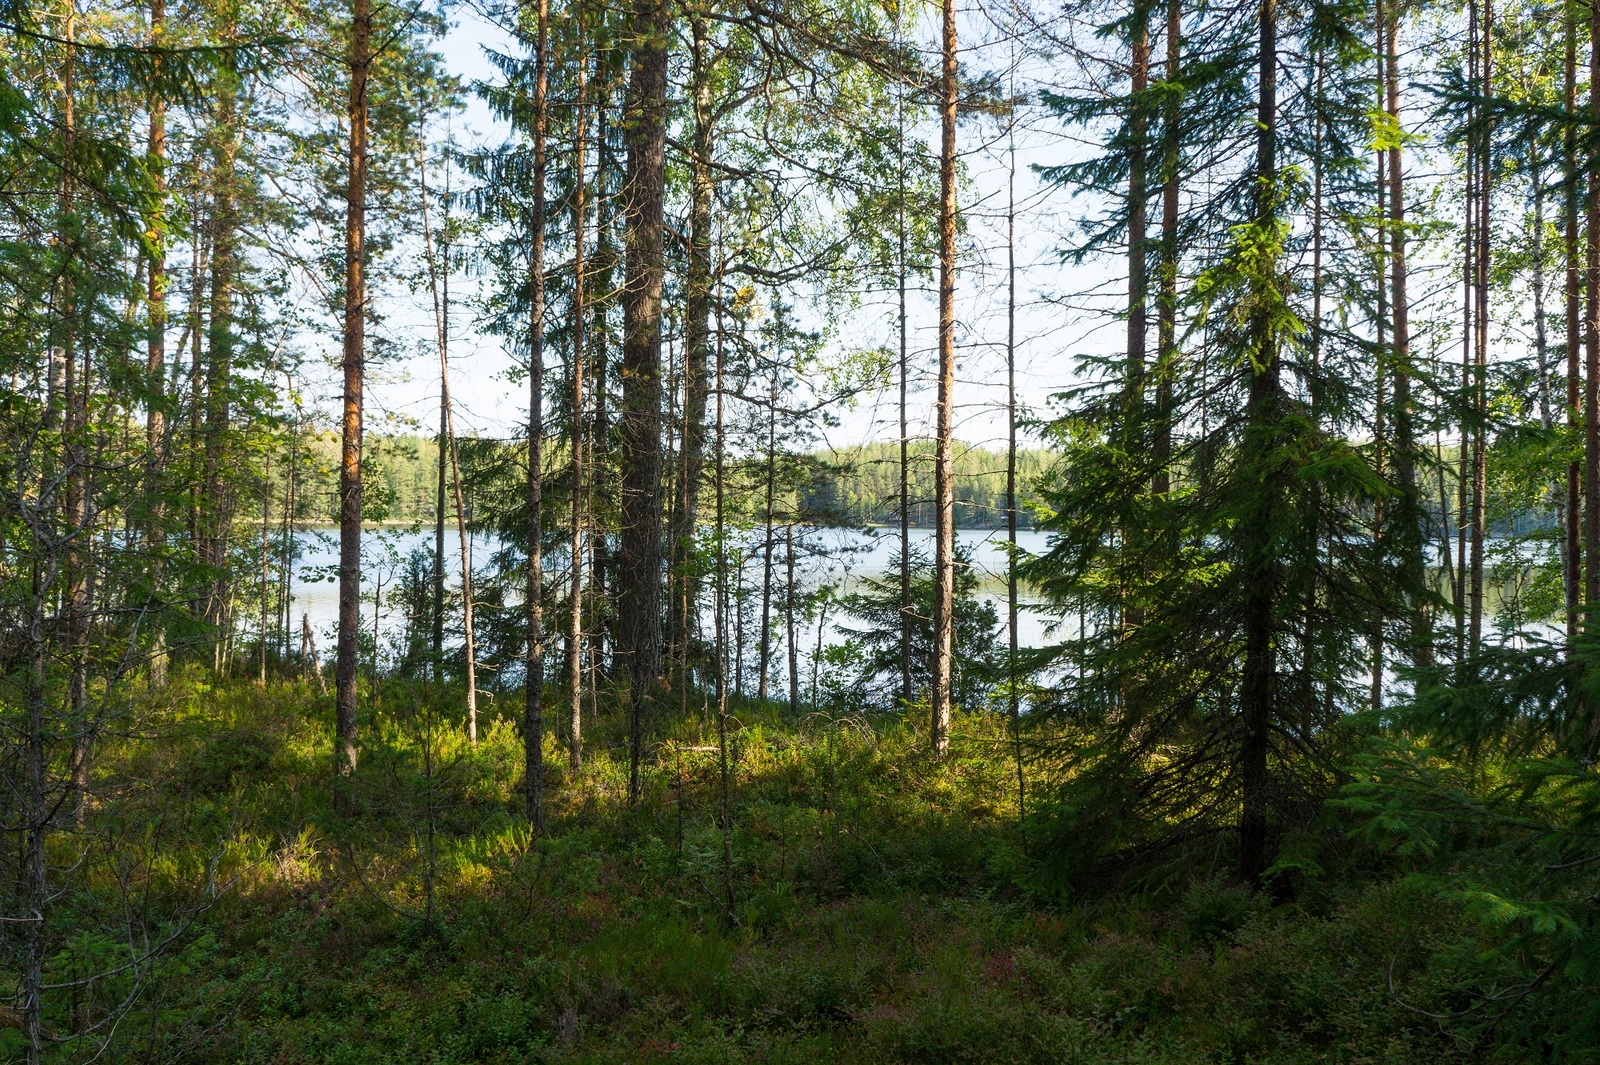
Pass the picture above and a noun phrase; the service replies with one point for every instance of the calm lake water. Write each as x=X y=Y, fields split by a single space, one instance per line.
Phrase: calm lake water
x=842 y=557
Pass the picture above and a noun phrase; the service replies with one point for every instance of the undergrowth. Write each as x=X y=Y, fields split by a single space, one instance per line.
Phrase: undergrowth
x=887 y=908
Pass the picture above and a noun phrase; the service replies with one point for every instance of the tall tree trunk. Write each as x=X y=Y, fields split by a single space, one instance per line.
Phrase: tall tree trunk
x=266 y=576
x=156 y=363
x=789 y=635
x=439 y=287
x=639 y=597
x=1574 y=317
x=1541 y=321
x=1310 y=638
x=944 y=577
x=1468 y=308
x=355 y=310
x=442 y=479
x=1131 y=612
x=725 y=820
x=1538 y=283
x=1013 y=612
x=1263 y=415
x=696 y=348
x=74 y=391
x=1480 y=450
x=36 y=873
x=1591 y=357
x=905 y=438
x=579 y=323
x=199 y=263
x=221 y=344
x=1409 y=521
x=286 y=541
x=1381 y=357
x=1138 y=196
x=738 y=626
x=596 y=593
x=1380 y=457
x=605 y=258
x=533 y=699
x=767 y=543
x=1167 y=297
x=471 y=648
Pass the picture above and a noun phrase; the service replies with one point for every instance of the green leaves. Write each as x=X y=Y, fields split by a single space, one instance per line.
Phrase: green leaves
x=1251 y=286
x=1487 y=814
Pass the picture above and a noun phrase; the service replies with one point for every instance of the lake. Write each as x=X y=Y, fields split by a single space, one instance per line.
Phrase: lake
x=842 y=557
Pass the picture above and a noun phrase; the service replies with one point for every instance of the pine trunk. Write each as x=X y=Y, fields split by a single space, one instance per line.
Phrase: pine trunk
x=763 y=679
x=1480 y=356
x=639 y=594
x=1591 y=355
x=944 y=469
x=533 y=698
x=905 y=439
x=1409 y=521
x=789 y=600
x=443 y=479
x=1263 y=413
x=355 y=309
x=696 y=352
x=1574 y=318
x=156 y=364
x=1167 y=298
x=439 y=286
x=579 y=326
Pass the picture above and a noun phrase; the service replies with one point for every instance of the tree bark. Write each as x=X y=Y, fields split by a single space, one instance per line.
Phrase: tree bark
x=763 y=679
x=1138 y=193
x=471 y=647
x=36 y=872
x=605 y=260
x=1409 y=520
x=579 y=325
x=355 y=309
x=1013 y=612
x=1263 y=414
x=639 y=597
x=221 y=342
x=1310 y=637
x=1574 y=317
x=1167 y=297
x=1381 y=357
x=266 y=529
x=944 y=488
x=1131 y=612
x=308 y=654
x=1537 y=283
x=533 y=700
x=1591 y=356
x=439 y=286
x=789 y=634
x=156 y=363
x=74 y=392
x=905 y=438
x=438 y=540
x=696 y=349
x=1480 y=450
x=725 y=821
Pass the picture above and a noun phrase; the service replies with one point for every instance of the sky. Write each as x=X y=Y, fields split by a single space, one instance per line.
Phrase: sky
x=1064 y=311
x=1053 y=324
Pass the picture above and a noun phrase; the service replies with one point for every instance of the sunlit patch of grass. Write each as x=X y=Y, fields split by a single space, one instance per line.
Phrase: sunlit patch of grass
x=881 y=908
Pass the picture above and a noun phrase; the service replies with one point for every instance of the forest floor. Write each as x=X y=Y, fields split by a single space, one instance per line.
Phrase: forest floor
x=884 y=909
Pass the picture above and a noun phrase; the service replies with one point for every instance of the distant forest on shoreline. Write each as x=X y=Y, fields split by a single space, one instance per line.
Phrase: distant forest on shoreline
x=850 y=486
